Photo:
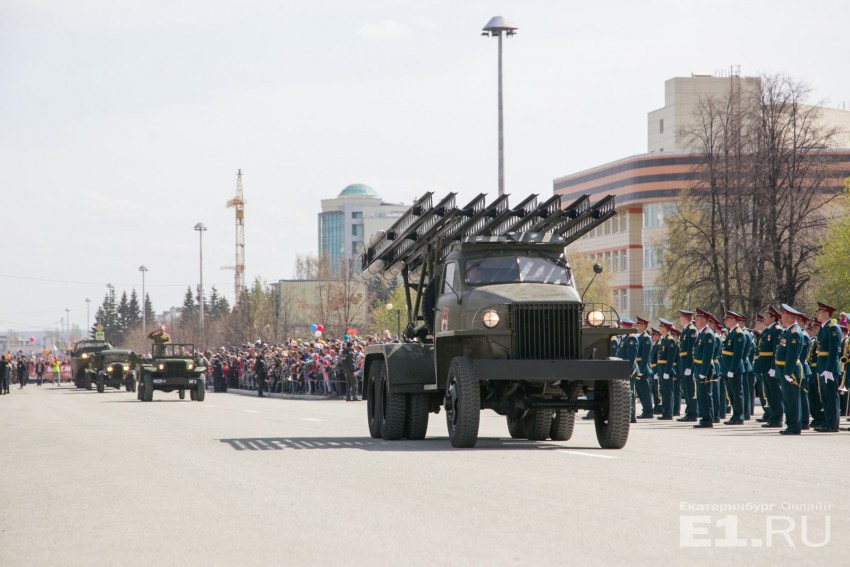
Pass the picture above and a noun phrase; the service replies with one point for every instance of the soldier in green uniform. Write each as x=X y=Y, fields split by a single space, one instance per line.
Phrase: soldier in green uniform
x=844 y=365
x=788 y=365
x=686 y=362
x=718 y=386
x=805 y=414
x=666 y=352
x=767 y=351
x=675 y=334
x=828 y=371
x=732 y=365
x=643 y=377
x=654 y=385
x=748 y=378
x=815 y=401
x=160 y=337
x=703 y=368
x=629 y=351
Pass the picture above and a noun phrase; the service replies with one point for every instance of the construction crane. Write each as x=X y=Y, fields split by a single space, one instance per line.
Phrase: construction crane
x=238 y=203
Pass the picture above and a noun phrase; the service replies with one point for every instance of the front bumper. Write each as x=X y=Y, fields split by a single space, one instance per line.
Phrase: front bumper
x=587 y=371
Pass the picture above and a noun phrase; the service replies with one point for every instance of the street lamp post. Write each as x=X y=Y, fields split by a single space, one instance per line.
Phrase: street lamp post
x=144 y=269
x=201 y=227
x=88 y=320
x=495 y=28
x=68 y=323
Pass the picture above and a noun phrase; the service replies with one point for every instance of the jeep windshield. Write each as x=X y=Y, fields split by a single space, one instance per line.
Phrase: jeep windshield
x=172 y=350
x=516 y=269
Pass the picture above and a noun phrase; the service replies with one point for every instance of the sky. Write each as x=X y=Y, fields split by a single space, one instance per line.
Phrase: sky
x=123 y=122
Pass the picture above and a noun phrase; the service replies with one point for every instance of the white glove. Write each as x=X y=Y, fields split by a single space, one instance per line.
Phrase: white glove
x=730 y=374
x=701 y=377
x=666 y=376
x=687 y=371
x=827 y=375
x=789 y=379
x=771 y=372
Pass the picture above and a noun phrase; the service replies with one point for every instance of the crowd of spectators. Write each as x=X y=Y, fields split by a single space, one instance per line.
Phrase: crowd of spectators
x=297 y=366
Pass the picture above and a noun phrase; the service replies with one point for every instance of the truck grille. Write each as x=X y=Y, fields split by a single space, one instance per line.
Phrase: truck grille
x=175 y=369
x=545 y=331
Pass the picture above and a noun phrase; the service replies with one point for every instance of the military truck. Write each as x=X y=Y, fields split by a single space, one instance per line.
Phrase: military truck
x=81 y=354
x=115 y=369
x=171 y=367
x=494 y=322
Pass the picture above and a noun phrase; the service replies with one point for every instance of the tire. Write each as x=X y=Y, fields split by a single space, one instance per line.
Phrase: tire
x=393 y=410
x=537 y=423
x=100 y=386
x=612 y=417
x=147 y=394
x=182 y=394
x=139 y=393
x=376 y=383
x=463 y=403
x=562 y=425
x=516 y=427
x=193 y=395
x=87 y=381
x=201 y=393
x=416 y=417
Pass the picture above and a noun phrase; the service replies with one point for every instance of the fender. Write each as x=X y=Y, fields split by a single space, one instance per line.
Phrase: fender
x=410 y=367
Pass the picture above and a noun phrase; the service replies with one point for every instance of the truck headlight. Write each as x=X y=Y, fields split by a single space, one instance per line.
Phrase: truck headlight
x=161 y=366
x=189 y=366
x=490 y=318
x=109 y=368
x=595 y=318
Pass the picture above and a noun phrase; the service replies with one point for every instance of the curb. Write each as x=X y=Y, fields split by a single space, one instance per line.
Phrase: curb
x=241 y=392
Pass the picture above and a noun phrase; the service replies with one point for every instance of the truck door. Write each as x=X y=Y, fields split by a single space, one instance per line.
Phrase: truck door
x=447 y=298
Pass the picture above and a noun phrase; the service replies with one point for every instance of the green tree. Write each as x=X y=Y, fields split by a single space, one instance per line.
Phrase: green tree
x=832 y=262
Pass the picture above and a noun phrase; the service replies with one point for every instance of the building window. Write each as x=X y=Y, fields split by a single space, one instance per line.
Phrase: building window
x=661 y=126
x=624 y=221
x=655 y=213
x=653 y=298
x=356 y=215
x=621 y=300
x=652 y=257
x=357 y=230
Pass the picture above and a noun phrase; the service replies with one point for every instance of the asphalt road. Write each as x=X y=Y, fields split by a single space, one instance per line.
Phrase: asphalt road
x=102 y=479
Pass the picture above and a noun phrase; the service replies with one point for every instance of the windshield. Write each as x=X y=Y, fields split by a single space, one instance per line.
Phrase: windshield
x=107 y=358
x=516 y=269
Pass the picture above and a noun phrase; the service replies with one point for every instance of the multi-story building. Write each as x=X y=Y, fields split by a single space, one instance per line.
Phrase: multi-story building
x=647 y=188
x=351 y=218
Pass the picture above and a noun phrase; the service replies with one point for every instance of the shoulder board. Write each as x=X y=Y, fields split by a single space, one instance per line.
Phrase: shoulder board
x=738 y=330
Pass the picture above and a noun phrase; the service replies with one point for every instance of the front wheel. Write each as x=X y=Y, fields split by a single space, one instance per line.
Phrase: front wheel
x=463 y=403
x=201 y=392
x=612 y=417
x=182 y=394
x=147 y=395
x=100 y=386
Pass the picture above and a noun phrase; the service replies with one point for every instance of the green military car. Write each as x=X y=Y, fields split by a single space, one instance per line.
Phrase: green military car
x=171 y=367
x=81 y=354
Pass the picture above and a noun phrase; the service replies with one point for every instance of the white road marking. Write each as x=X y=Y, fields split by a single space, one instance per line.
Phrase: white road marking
x=251 y=411
x=310 y=419
x=583 y=454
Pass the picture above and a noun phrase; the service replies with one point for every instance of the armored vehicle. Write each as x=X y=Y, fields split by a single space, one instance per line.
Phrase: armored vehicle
x=81 y=354
x=494 y=322
x=171 y=367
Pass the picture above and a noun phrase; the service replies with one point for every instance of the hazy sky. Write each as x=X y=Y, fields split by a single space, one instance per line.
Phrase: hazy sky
x=123 y=122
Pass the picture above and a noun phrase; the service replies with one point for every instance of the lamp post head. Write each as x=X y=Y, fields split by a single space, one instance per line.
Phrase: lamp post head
x=200 y=226
x=143 y=268
x=499 y=24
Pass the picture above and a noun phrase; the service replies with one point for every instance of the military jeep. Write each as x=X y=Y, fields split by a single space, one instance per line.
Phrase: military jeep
x=81 y=354
x=171 y=367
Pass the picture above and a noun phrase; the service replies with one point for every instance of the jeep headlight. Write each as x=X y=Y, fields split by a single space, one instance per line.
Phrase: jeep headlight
x=85 y=355
x=595 y=318
x=109 y=368
x=189 y=366
x=490 y=318
x=126 y=367
x=161 y=366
